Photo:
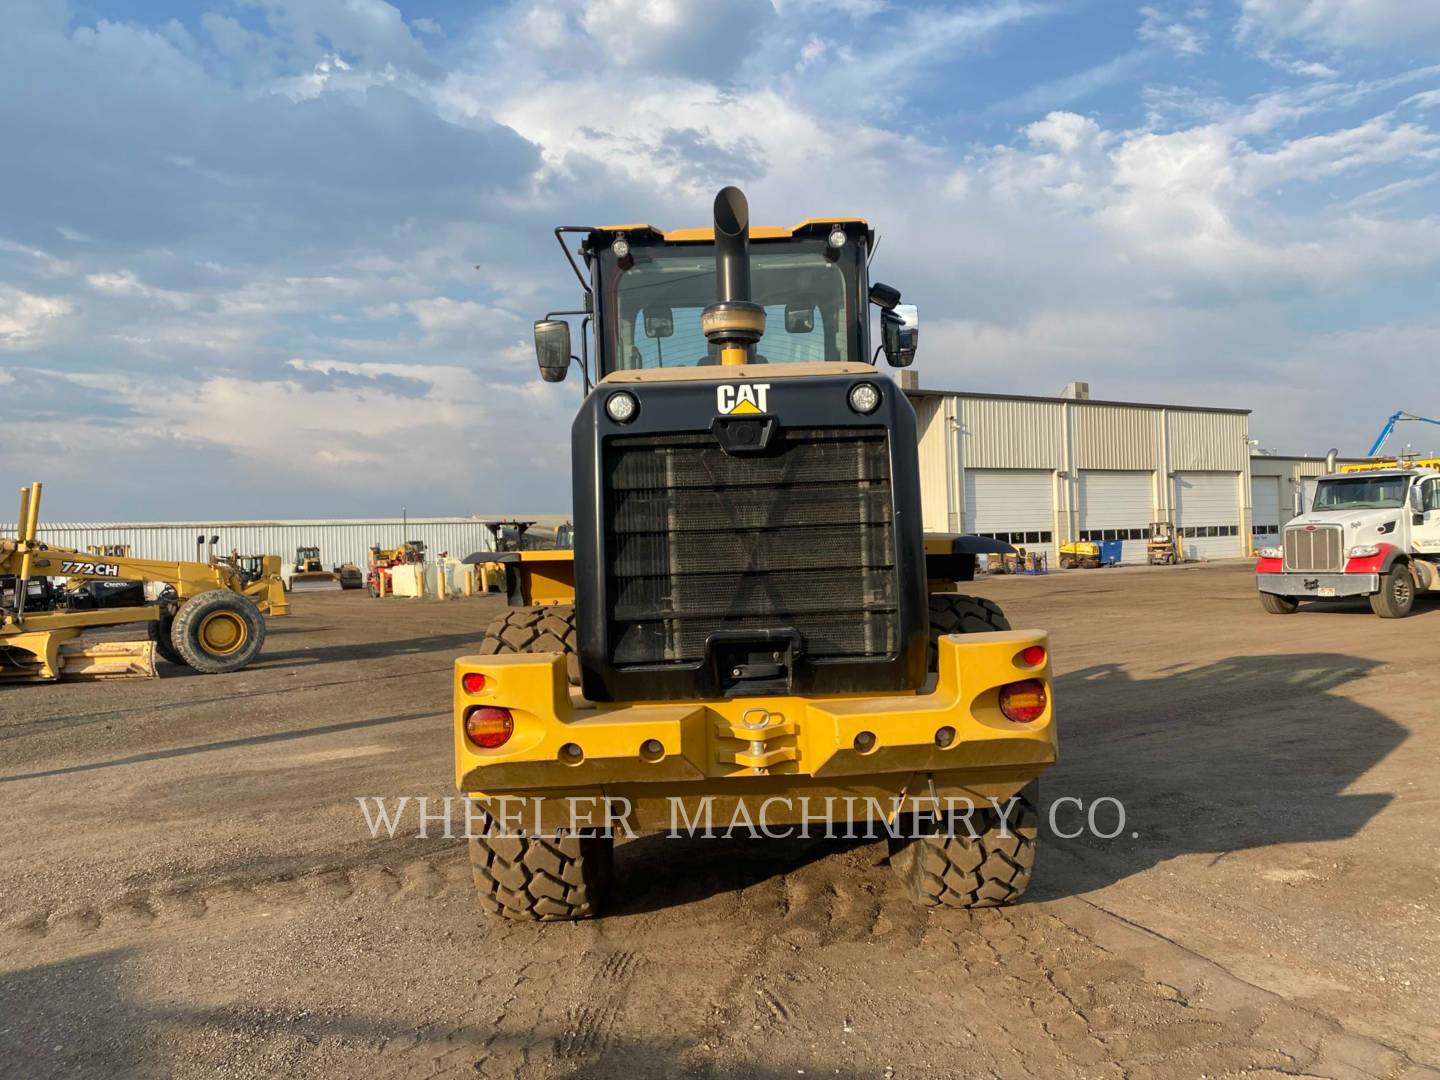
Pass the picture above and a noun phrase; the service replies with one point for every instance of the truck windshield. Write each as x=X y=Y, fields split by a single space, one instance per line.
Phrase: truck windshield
x=1361 y=493
x=652 y=309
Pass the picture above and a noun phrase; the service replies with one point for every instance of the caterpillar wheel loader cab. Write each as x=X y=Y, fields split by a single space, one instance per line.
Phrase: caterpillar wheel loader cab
x=756 y=625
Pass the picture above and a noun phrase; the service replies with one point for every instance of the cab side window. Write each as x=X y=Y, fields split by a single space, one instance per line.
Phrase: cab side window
x=1430 y=495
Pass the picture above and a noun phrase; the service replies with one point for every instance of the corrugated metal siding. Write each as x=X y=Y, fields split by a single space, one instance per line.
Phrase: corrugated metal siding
x=1114 y=437
x=1003 y=434
x=930 y=418
x=339 y=541
x=1202 y=441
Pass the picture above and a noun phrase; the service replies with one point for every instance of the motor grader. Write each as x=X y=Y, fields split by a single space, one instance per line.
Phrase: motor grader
x=204 y=615
x=755 y=621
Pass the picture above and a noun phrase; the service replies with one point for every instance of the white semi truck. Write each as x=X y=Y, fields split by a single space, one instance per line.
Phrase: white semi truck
x=1371 y=529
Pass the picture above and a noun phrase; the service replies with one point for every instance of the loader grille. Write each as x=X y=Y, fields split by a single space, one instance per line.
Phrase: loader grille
x=1314 y=548
x=799 y=537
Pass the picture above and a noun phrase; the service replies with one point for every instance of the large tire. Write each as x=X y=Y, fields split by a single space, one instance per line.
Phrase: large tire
x=161 y=635
x=535 y=630
x=1396 y=597
x=951 y=868
x=1279 y=605
x=218 y=631
x=542 y=878
x=951 y=613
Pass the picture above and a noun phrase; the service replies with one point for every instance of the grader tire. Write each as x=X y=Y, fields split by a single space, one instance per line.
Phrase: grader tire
x=160 y=634
x=1279 y=605
x=542 y=878
x=951 y=868
x=951 y=613
x=218 y=631
x=535 y=630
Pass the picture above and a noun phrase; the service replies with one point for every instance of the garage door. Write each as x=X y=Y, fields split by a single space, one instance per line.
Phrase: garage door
x=1016 y=505
x=1207 y=514
x=1117 y=506
x=1265 y=510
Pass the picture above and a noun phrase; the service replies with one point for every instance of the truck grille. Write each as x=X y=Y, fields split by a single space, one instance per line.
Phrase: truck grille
x=799 y=537
x=1313 y=548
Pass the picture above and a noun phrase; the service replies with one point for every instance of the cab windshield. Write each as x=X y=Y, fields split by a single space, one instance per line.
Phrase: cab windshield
x=1361 y=493
x=652 y=309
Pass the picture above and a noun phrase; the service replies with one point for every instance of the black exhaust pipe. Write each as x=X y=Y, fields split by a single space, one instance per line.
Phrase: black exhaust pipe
x=734 y=322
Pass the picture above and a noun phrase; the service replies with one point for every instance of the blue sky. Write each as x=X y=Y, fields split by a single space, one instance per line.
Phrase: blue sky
x=268 y=258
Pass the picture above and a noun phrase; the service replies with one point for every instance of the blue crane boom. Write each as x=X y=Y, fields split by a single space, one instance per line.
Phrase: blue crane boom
x=1396 y=418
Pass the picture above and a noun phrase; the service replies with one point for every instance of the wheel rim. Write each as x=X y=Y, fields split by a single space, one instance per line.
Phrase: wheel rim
x=223 y=633
x=1402 y=590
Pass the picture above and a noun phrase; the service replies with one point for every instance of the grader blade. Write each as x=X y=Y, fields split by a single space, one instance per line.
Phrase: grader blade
x=83 y=659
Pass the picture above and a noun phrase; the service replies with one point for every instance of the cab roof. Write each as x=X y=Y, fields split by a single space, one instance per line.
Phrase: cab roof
x=706 y=235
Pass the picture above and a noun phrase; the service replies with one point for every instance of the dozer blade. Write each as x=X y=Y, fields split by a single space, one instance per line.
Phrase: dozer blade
x=81 y=659
x=326 y=582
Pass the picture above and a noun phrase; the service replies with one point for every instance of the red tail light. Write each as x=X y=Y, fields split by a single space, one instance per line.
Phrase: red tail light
x=1033 y=656
x=472 y=682
x=489 y=727
x=1023 y=701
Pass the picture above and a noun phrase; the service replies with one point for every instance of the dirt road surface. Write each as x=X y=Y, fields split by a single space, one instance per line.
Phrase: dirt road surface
x=189 y=888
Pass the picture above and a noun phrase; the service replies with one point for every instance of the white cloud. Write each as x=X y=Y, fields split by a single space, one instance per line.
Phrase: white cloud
x=1413 y=25
x=1171 y=32
x=26 y=319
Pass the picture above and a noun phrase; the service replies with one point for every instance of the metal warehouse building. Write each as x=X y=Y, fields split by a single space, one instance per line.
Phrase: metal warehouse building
x=1039 y=471
x=1276 y=486
x=339 y=541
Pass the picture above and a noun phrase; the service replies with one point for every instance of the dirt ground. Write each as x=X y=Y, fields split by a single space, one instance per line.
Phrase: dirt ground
x=189 y=888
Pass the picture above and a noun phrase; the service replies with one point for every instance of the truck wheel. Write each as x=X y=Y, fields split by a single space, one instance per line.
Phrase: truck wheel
x=951 y=613
x=218 y=631
x=1278 y=605
x=536 y=630
x=1067 y=562
x=951 y=868
x=542 y=878
x=1397 y=593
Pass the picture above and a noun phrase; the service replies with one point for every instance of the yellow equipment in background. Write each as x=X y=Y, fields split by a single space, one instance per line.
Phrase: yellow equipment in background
x=309 y=571
x=1080 y=553
x=1163 y=547
x=204 y=615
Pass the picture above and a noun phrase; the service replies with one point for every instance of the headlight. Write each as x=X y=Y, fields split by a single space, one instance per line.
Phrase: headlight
x=621 y=407
x=837 y=237
x=864 y=398
x=621 y=247
x=1271 y=553
x=1363 y=551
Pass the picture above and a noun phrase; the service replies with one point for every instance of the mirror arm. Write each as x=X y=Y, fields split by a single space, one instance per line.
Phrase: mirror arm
x=585 y=354
x=560 y=230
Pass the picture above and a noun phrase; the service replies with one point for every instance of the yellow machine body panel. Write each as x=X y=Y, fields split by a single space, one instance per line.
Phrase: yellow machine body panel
x=657 y=756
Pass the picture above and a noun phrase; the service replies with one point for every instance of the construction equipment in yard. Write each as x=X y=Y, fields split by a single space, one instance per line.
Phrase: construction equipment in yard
x=1082 y=554
x=1163 y=546
x=309 y=572
x=201 y=614
x=751 y=615
x=384 y=560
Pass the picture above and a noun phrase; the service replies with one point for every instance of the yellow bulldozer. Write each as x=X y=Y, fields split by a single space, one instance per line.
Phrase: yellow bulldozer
x=753 y=621
x=309 y=572
x=204 y=615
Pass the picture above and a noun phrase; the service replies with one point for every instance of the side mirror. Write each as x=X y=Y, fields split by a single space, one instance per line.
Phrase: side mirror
x=799 y=320
x=552 y=349
x=882 y=295
x=1417 y=501
x=900 y=334
x=659 y=322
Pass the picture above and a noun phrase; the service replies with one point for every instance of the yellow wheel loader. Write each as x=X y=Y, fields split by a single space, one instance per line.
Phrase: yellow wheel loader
x=205 y=615
x=752 y=629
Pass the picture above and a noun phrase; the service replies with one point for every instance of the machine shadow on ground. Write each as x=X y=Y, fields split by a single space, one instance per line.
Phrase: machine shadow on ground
x=1194 y=773
x=1199 y=776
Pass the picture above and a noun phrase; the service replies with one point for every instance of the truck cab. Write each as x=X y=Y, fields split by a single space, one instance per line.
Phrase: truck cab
x=1371 y=530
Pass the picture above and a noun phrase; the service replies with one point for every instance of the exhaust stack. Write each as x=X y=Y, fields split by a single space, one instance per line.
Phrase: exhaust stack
x=1331 y=456
x=734 y=322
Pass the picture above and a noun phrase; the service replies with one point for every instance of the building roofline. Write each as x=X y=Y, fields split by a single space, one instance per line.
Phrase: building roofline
x=1075 y=401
